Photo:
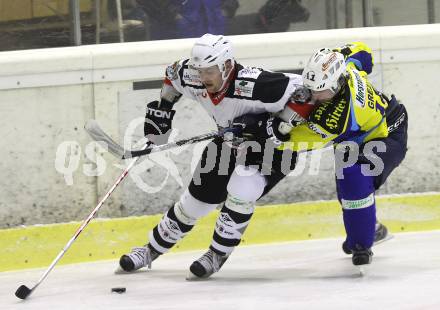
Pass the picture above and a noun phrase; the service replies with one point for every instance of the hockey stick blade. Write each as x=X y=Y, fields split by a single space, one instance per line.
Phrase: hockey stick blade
x=23 y=292
x=97 y=134
x=170 y=145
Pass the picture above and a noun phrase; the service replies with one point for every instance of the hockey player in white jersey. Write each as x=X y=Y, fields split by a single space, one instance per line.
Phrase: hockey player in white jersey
x=227 y=91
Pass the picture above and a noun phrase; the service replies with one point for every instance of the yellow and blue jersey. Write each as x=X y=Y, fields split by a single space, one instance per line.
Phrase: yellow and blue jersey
x=358 y=55
x=356 y=113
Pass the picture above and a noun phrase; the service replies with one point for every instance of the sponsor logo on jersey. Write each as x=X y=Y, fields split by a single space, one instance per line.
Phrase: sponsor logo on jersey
x=331 y=115
x=320 y=111
x=359 y=88
x=317 y=130
x=333 y=121
x=249 y=72
x=200 y=93
x=244 y=88
x=173 y=71
x=191 y=77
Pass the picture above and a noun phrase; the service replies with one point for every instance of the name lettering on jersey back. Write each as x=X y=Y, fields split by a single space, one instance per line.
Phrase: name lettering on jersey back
x=360 y=87
x=370 y=96
x=250 y=73
x=244 y=88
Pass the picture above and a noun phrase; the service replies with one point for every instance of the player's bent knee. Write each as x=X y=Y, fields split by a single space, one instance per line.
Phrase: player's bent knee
x=188 y=209
x=246 y=183
x=354 y=185
x=245 y=186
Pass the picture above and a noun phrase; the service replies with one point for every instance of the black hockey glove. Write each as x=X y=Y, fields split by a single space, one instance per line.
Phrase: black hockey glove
x=273 y=131
x=260 y=128
x=344 y=50
x=158 y=121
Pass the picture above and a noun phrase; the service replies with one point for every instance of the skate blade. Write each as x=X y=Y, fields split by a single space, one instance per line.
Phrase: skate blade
x=119 y=270
x=192 y=277
x=363 y=270
x=388 y=237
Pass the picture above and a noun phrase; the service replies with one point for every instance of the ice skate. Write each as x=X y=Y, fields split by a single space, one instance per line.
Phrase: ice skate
x=138 y=258
x=361 y=256
x=205 y=266
x=381 y=234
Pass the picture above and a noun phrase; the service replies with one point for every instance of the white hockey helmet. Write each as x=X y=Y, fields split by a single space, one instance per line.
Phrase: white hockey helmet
x=324 y=70
x=210 y=50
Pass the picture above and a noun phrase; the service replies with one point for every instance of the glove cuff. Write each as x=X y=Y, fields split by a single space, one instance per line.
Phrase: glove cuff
x=165 y=104
x=275 y=127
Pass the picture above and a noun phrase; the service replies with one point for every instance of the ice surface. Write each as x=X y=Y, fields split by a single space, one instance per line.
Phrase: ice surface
x=405 y=274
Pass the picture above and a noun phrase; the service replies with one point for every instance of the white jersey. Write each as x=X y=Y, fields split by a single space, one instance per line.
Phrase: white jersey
x=251 y=90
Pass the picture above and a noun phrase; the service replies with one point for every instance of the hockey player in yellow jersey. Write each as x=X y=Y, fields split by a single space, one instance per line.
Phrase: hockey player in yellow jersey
x=349 y=111
x=348 y=108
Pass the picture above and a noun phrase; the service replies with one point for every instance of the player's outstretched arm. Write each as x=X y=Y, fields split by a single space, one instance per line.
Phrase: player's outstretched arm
x=159 y=114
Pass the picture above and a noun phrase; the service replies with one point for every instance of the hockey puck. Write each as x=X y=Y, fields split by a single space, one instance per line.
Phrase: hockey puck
x=119 y=290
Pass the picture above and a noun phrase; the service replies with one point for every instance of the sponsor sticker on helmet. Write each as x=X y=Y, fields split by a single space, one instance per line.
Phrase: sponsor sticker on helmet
x=330 y=61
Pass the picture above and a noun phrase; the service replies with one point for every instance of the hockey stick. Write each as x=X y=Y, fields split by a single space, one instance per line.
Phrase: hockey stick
x=97 y=134
x=23 y=291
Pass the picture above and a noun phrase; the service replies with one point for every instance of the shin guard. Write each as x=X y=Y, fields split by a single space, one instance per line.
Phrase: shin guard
x=356 y=195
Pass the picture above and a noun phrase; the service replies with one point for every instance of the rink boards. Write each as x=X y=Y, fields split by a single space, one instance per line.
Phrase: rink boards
x=48 y=176
x=37 y=246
